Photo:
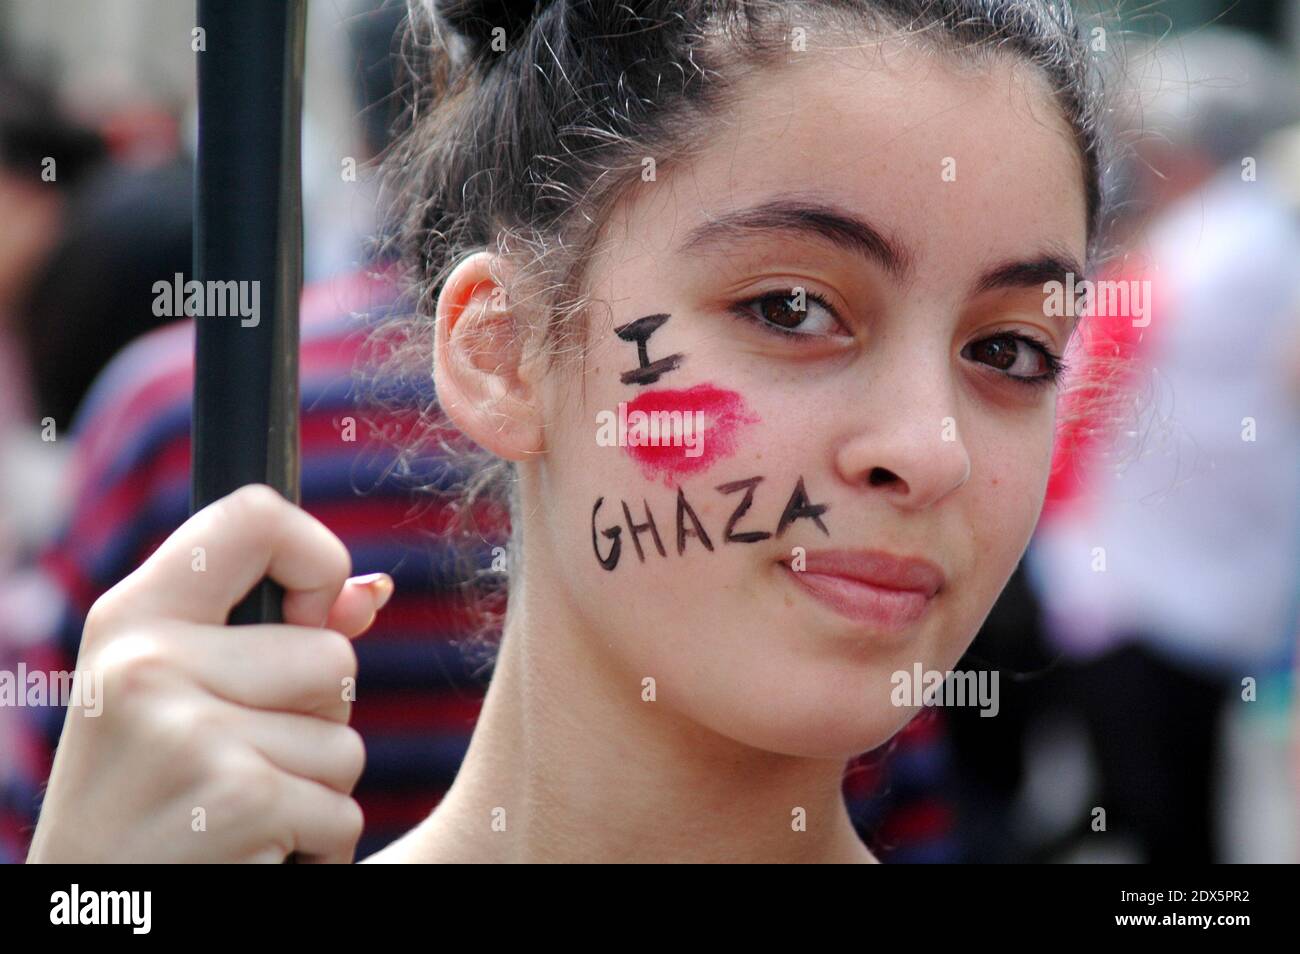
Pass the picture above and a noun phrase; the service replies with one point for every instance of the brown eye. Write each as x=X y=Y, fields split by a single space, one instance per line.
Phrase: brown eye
x=1016 y=356
x=779 y=313
x=1000 y=353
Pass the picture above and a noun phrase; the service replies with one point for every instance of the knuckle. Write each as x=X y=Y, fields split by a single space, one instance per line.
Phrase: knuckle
x=338 y=656
x=186 y=732
x=104 y=616
x=352 y=821
x=340 y=560
x=256 y=508
x=242 y=786
x=353 y=753
x=133 y=665
x=257 y=499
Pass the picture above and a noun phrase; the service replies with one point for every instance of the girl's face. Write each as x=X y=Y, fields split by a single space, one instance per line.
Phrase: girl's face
x=843 y=303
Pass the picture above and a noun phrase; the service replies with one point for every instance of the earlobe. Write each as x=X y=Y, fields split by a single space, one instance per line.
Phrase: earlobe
x=478 y=356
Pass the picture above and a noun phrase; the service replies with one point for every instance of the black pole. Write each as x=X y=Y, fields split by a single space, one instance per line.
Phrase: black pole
x=248 y=230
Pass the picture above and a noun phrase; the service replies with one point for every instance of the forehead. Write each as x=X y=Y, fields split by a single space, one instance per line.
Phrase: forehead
x=959 y=164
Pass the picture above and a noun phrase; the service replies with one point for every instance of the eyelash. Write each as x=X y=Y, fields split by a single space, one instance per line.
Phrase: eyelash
x=1055 y=365
x=740 y=308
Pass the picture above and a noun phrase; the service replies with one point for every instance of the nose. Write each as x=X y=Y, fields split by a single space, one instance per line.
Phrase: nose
x=909 y=449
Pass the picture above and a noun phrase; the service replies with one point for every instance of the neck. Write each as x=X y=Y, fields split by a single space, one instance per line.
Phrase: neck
x=568 y=762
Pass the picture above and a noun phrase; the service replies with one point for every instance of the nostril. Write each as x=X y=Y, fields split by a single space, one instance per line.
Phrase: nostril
x=880 y=475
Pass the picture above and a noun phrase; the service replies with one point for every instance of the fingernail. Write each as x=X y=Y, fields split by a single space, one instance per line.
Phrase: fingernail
x=383 y=588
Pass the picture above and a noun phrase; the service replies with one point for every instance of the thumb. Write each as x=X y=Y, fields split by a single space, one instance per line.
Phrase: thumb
x=356 y=606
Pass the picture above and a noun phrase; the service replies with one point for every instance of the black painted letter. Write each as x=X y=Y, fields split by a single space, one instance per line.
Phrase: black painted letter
x=636 y=529
x=613 y=532
x=649 y=371
x=800 y=507
x=750 y=536
x=684 y=510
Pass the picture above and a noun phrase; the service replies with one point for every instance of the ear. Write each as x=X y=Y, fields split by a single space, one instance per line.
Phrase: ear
x=478 y=362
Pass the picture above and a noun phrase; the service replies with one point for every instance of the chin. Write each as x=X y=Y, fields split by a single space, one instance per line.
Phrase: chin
x=836 y=722
x=839 y=744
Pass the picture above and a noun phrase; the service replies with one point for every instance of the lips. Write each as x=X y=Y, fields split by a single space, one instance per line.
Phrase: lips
x=870 y=587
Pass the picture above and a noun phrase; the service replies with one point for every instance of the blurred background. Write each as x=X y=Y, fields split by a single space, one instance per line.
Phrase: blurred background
x=1147 y=645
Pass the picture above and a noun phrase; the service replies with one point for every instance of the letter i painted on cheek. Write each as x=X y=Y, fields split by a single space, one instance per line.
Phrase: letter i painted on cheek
x=639 y=331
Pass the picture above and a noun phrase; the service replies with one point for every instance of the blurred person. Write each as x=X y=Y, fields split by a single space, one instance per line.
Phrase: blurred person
x=125 y=229
x=88 y=226
x=44 y=159
x=1168 y=572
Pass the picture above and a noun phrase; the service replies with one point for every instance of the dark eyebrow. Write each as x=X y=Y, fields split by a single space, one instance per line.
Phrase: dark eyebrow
x=1051 y=266
x=810 y=217
x=844 y=229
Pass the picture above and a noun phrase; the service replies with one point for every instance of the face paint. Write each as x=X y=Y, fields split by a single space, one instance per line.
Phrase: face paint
x=663 y=430
x=675 y=433
x=639 y=332
x=797 y=507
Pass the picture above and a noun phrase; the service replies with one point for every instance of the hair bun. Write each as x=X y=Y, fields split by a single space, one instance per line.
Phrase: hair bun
x=475 y=20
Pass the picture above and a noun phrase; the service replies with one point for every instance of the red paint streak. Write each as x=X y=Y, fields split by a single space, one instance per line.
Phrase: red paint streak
x=725 y=412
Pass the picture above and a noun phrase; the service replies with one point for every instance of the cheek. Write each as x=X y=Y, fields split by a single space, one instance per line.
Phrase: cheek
x=664 y=535
x=628 y=483
x=1001 y=506
x=1011 y=476
x=672 y=434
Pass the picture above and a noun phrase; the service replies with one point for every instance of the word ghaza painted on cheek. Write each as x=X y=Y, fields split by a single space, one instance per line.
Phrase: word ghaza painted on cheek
x=798 y=507
x=658 y=422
